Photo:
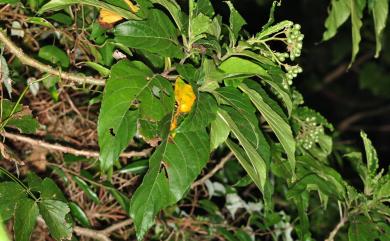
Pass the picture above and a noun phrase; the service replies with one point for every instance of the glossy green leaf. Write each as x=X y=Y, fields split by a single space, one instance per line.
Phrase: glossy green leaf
x=219 y=132
x=86 y=189
x=338 y=14
x=281 y=129
x=156 y=34
x=202 y=113
x=54 y=55
x=135 y=167
x=172 y=168
x=103 y=71
x=26 y=214
x=79 y=214
x=254 y=159
x=55 y=5
x=54 y=212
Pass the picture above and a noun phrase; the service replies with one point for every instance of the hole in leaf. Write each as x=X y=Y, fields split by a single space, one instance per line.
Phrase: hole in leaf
x=112 y=131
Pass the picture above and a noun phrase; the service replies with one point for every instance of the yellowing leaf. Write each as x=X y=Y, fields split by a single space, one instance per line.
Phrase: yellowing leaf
x=107 y=17
x=184 y=95
x=133 y=8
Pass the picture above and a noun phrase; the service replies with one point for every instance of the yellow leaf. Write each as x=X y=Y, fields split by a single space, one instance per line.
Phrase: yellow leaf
x=184 y=95
x=133 y=8
x=107 y=17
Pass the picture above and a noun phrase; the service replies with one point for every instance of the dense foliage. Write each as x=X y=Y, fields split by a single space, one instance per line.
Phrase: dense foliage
x=168 y=89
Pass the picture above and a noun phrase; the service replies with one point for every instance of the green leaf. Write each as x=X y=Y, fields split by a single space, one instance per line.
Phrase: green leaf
x=9 y=1
x=61 y=18
x=26 y=214
x=174 y=9
x=238 y=67
x=34 y=182
x=256 y=162
x=79 y=214
x=362 y=229
x=245 y=162
x=54 y=212
x=219 y=132
x=243 y=114
x=371 y=156
x=205 y=7
x=356 y=8
x=3 y=233
x=199 y=24
x=129 y=82
x=274 y=29
x=202 y=113
x=338 y=14
x=380 y=10
x=172 y=168
x=55 y=5
x=103 y=71
x=384 y=189
x=86 y=189
x=54 y=55
x=135 y=167
x=25 y=124
x=39 y=21
x=50 y=190
x=281 y=129
x=10 y=194
x=236 y=21
x=21 y=118
x=156 y=34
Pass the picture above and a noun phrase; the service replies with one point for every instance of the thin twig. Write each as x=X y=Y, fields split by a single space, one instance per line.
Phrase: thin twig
x=346 y=123
x=27 y=60
x=70 y=150
x=336 y=229
x=218 y=167
x=101 y=235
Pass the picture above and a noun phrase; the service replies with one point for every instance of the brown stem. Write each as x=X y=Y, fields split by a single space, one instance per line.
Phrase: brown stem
x=27 y=60
x=70 y=150
x=336 y=229
x=101 y=235
x=218 y=167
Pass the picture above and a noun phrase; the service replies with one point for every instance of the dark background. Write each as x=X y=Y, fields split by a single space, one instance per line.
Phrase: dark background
x=326 y=84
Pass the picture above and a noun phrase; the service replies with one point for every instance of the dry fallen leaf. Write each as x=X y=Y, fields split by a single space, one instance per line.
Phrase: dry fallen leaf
x=108 y=18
